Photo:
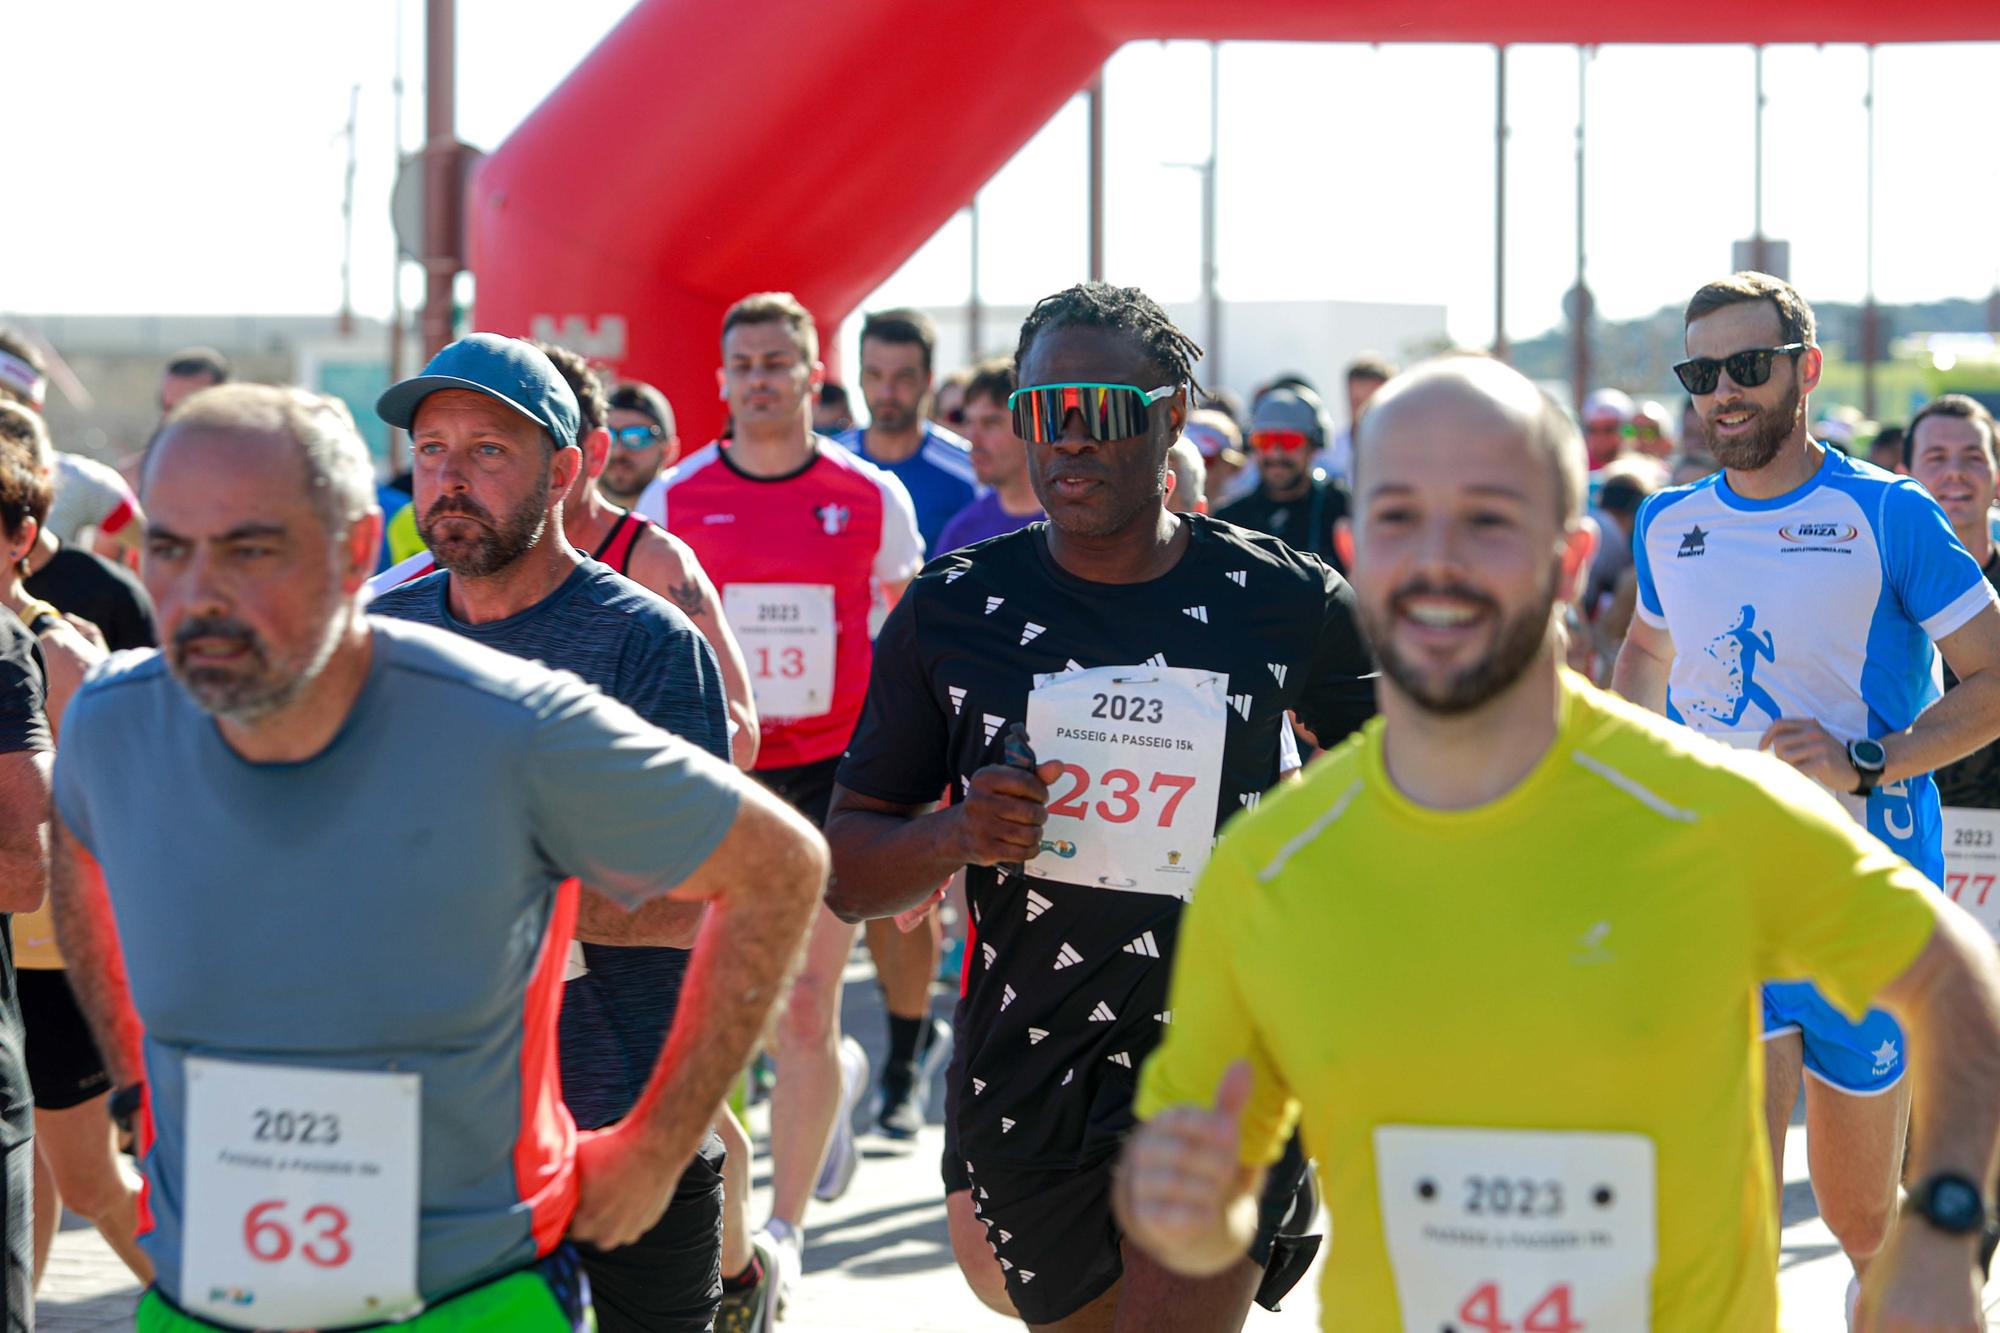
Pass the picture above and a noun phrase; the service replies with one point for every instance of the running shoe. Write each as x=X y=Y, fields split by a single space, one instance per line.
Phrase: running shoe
x=755 y=1309
x=785 y=1244
x=906 y=1094
x=841 y=1155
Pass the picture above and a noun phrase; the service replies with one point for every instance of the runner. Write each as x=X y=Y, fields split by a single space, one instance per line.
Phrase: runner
x=1152 y=659
x=644 y=439
x=1789 y=603
x=1294 y=501
x=93 y=506
x=803 y=538
x=1534 y=1094
x=188 y=372
x=345 y=1124
x=76 y=1163
x=490 y=485
x=999 y=460
x=630 y=545
x=1190 y=479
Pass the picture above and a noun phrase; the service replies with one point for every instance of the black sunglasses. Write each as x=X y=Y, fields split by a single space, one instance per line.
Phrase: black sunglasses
x=1749 y=369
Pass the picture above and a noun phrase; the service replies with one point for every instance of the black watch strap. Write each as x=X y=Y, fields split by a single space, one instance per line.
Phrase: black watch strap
x=1954 y=1204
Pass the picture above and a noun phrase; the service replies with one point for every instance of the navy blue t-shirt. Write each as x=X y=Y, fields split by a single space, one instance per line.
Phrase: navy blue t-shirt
x=638 y=648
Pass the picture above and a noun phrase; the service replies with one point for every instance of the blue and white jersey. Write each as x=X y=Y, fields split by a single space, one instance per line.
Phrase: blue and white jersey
x=1823 y=603
x=938 y=476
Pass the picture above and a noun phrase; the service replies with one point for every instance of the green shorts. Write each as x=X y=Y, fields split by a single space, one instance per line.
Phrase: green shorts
x=548 y=1298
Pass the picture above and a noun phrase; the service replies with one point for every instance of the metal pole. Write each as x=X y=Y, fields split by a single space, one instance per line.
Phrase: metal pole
x=345 y=324
x=1096 y=100
x=441 y=176
x=1580 y=294
x=1758 y=260
x=1871 y=330
x=396 y=312
x=972 y=308
x=1210 y=296
x=1500 y=348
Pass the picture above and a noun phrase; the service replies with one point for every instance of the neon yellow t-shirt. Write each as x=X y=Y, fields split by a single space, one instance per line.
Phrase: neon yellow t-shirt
x=1583 y=954
x=404 y=541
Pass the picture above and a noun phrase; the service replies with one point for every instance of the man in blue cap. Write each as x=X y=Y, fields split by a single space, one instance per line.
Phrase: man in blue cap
x=493 y=435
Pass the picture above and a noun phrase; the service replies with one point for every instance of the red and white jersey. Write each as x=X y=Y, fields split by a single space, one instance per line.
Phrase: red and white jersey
x=800 y=561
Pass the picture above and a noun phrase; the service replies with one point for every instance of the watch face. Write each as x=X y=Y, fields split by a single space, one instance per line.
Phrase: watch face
x=1956 y=1206
x=1870 y=754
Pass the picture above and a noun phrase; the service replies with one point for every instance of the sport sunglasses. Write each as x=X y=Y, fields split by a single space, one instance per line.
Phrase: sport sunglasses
x=637 y=437
x=1282 y=441
x=1749 y=369
x=1110 y=411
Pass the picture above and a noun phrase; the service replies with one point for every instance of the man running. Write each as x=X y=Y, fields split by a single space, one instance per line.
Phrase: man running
x=1533 y=1094
x=643 y=439
x=629 y=545
x=1151 y=659
x=999 y=460
x=1294 y=501
x=1789 y=603
x=354 y=1110
x=805 y=539
x=493 y=467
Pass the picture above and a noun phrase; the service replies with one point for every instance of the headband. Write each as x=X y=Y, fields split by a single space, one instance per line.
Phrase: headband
x=18 y=374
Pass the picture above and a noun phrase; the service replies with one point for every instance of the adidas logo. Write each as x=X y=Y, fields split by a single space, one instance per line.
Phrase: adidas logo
x=1249 y=799
x=954 y=575
x=1122 y=1059
x=993 y=724
x=1067 y=1077
x=1006 y=1267
x=1006 y=996
x=986 y=951
x=1037 y=904
x=1030 y=632
x=1144 y=946
x=1198 y=612
x=975 y=914
x=1006 y=1125
x=1241 y=703
x=1005 y=1235
x=1239 y=577
x=1067 y=957
x=1278 y=669
x=957 y=693
x=1102 y=1013
x=1035 y=1036
x=994 y=604
x=1026 y=1277
x=983 y=1194
x=978 y=1086
x=1157 y=660
x=1072 y=665
x=1165 y=1017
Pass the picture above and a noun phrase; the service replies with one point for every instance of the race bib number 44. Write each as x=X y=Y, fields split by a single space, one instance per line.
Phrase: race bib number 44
x=301 y=1195
x=1141 y=754
x=787 y=634
x=1972 y=862
x=1518 y=1231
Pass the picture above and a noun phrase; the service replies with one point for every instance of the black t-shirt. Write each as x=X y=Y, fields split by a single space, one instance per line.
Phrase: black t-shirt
x=1067 y=984
x=1974 y=781
x=82 y=583
x=24 y=726
x=1305 y=524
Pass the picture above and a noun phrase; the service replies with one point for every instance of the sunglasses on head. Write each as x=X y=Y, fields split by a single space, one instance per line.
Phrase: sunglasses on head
x=1285 y=441
x=1748 y=369
x=637 y=437
x=1110 y=411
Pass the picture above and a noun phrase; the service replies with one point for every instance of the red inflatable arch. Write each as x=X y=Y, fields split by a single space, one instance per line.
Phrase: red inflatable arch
x=704 y=150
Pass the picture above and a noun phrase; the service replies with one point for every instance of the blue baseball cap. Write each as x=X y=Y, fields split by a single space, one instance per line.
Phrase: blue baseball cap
x=508 y=369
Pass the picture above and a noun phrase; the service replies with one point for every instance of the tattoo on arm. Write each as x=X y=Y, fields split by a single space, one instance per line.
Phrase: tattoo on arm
x=688 y=597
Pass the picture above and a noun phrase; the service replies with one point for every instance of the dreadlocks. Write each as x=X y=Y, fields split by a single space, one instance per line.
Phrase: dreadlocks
x=1098 y=305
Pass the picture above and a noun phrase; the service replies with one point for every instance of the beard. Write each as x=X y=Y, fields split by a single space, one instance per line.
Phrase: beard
x=490 y=549
x=893 y=418
x=1516 y=643
x=264 y=684
x=1770 y=428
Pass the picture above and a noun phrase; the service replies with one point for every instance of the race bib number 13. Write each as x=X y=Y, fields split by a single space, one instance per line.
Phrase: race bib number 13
x=787 y=634
x=1518 y=1231
x=1141 y=750
x=301 y=1195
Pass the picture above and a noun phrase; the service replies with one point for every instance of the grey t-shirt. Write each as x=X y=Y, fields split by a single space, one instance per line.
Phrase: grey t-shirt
x=642 y=651
x=385 y=904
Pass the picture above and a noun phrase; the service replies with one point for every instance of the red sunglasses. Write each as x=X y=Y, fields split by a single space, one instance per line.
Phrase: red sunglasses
x=1290 y=441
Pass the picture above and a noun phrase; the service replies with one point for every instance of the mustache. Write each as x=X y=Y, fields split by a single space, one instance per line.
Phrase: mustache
x=1408 y=592
x=446 y=505
x=227 y=628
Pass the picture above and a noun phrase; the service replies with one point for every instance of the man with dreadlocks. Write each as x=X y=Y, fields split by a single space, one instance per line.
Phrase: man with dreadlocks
x=1099 y=692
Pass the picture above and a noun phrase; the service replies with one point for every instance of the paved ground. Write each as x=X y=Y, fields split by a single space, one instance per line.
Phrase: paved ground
x=879 y=1259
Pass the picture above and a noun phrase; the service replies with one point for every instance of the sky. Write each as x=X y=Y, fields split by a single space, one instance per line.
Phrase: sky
x=196 y=165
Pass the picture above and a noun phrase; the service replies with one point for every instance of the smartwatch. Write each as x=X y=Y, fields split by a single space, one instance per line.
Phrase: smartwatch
x=1952 y=1204
x=1869 y=760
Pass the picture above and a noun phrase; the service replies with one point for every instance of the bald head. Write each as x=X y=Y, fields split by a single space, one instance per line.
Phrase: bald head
x=334 y=472
x=1466 y=396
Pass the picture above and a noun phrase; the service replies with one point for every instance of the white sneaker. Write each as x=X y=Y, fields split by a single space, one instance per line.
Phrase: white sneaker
x=785 y=1246
x=841 y=1155
x=1853 y=1299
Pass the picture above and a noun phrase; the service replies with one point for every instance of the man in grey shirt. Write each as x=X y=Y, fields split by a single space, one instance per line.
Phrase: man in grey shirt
x=338 y=866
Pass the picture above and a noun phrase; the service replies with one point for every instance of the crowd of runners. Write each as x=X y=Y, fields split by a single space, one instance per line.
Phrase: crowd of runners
x=422 y=911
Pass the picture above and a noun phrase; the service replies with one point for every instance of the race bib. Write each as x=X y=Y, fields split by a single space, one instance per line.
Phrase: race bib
x=301 y=1195
x=1518 y=1231
x=1972 y=862
x=787 y=634
x=1141 y=750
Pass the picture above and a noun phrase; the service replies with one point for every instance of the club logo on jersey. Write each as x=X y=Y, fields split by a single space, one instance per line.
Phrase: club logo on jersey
x=1062 y=847
x=1173 y=858
x=1693 y=542
x=832 y=518
x=1824 y=537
